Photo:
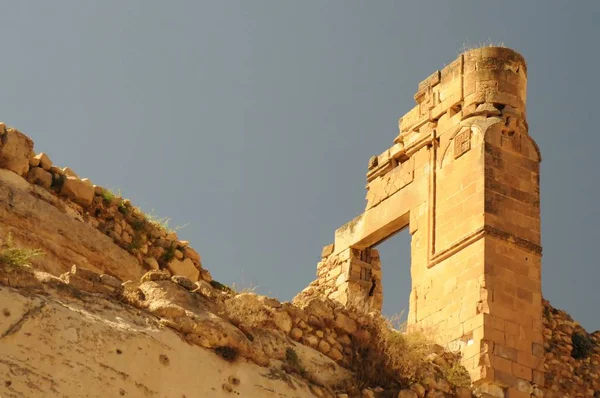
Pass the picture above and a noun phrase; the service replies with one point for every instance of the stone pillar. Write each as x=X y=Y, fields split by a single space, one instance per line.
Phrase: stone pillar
x=463 y=176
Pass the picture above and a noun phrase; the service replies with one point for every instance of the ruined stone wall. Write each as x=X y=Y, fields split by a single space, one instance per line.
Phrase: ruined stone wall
x=572 y=357
x=463 y=177
x=50 y=211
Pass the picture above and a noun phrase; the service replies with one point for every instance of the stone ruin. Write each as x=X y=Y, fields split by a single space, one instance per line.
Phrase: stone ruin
x=463 y=177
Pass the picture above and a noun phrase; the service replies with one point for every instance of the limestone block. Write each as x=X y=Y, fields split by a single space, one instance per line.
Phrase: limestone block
x=77 y=190
x=324 y=346
x=327 y=250
x=345 y=324
x=283 y=321
x=312 y=341
x=296 y=334
x=185 y=268
x=192 y=254
x=407 y=394
x=205 y=275
x=335 y=354
x=40 y=177
x=15 y=150
x=69 y=172
x=44 y=161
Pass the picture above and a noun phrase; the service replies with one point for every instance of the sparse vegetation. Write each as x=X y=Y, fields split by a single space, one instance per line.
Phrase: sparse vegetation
x=489 y=43
x=168 y=255
x=136 y=242
x=107 y=196
x=396 y=356
x=138 y=225
x=583 y=345
x=57 y=181
x=162 y=223
x=456 y=374
x=292 y=362
x=11 y=256
x=123 y=208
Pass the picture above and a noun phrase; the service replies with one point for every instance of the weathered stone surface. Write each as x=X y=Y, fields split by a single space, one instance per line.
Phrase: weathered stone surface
x=77 y=190
x=15 y=150
x=38 y=219
x=183 y=282
x=185 y=268
x=151 y=263
x=296 y=334
x=192 y=254
x=131 y=357
x=155 y=275
x=282 y=321
x=110 y=281
x=70 y=173
x=44 y=161
x=345 y=324
x=40 y=177
x=324 y=346
x=407 y=394
x=327 y=250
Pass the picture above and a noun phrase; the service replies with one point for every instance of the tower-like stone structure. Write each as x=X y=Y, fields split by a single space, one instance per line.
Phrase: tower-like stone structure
x=463 y=176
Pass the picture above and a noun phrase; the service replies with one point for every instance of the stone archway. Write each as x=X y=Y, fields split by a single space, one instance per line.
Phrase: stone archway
x=463 y=176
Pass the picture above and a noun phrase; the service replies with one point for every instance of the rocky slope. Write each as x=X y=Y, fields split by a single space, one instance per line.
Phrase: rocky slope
x=118 y=305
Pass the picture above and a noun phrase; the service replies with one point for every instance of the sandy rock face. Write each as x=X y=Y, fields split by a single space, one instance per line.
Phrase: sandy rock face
x=38 y=219
x=15 y=150
x=95 y=348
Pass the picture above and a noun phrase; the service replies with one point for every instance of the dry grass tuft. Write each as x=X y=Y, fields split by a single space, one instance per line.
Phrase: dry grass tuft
x=394 y=356
x=11 y=256
x=488 y=43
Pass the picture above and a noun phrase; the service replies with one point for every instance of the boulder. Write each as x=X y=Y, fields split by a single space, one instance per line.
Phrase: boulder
x=78 y=191
x=15 y=150
x=185 y=268
x=44 y=161
x=40 y=177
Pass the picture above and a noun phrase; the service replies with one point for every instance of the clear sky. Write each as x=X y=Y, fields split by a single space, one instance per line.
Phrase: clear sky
x=253 y=121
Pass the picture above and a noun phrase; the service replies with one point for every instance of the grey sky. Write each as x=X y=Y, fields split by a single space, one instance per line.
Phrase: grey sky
x=253 y=121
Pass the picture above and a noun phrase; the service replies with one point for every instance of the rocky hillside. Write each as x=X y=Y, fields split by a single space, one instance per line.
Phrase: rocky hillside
x=100 y=299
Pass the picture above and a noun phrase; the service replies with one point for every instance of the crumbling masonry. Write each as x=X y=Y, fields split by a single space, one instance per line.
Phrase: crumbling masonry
x=463 y=176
